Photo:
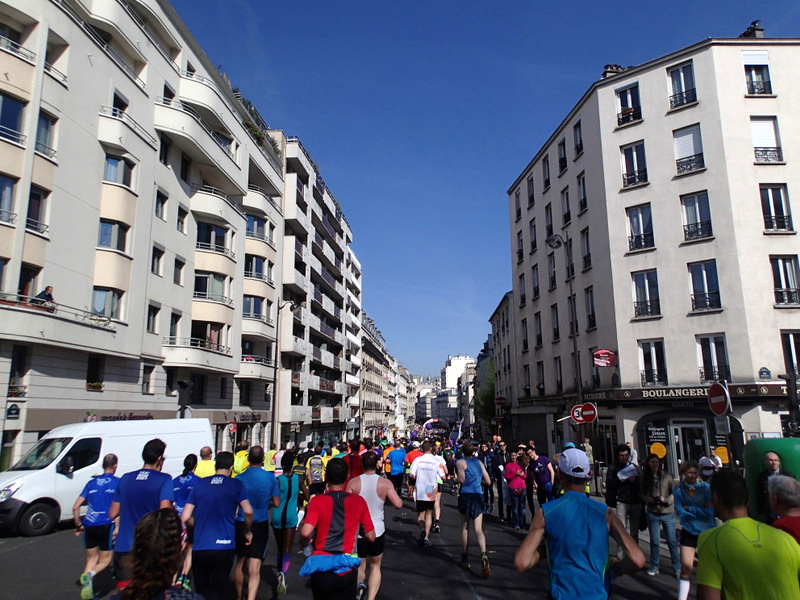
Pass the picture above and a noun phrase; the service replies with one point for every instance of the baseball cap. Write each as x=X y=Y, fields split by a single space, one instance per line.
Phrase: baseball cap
x=415 y=444
x=575 y=463
x=569 y=445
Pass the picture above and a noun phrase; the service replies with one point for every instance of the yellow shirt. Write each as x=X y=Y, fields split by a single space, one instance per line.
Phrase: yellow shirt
x=269 y=456
x=205 y=468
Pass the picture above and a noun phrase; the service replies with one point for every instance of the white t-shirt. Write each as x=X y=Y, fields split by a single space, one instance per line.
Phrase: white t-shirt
x=427 y=468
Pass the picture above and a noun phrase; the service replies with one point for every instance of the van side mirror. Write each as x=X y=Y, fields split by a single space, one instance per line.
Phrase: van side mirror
x=66 y=465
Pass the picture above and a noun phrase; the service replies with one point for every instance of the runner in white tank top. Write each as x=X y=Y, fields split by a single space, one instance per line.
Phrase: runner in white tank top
x=369 y=492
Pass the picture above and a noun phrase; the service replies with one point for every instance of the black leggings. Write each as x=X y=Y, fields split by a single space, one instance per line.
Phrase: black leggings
x=529 y=495
x=211 y=570
x=488 y=495
x=327 y=585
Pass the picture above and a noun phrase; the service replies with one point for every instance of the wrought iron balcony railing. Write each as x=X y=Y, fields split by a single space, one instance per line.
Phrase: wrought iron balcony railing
x=690 y=163
x=787 y=296
x=634 y=178
x=706 y=301
x=717 y=373
x=641 y=241
x=654 y=377
x=647 y=308
x=759 y=88
x=697 y=231
x=591 y=321
x=629 y=115
x=683 y=98
x=768 y=155
x=781 y=223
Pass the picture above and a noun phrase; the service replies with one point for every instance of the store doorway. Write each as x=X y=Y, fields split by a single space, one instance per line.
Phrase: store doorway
x=690 y=439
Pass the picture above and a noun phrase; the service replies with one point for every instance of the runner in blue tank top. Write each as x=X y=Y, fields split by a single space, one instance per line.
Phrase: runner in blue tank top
x=470 y=473
x=576 y=531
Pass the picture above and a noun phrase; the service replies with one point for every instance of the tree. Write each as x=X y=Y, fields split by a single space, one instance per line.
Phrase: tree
x=484 y=400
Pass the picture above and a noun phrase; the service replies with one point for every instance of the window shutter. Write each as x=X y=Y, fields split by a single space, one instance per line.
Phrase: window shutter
x=687 y=142
x=763 y=131
x=755 y=57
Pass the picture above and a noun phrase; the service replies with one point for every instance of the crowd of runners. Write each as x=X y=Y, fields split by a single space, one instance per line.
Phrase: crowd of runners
x=205 y=534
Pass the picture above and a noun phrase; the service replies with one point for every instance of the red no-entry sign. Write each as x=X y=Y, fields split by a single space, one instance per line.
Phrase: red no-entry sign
x=719 y=400
x=584 y=413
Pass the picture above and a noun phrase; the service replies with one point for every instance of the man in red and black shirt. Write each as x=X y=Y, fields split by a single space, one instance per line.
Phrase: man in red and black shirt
x=353 y=460
x=335 y=516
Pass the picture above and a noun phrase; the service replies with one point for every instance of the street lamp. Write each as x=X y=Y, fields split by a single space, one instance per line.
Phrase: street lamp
x=555 y=241
x=295 y=307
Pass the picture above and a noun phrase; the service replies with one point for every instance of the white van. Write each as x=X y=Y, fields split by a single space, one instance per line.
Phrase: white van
x=39 y=491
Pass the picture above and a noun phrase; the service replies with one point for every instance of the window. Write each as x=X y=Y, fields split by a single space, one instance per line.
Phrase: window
x=682 y=84
x=540 y=378
x=756 y=72
x=152 y=318
x=244 y=392
x=186 y=167
x=537 y=328
x=791 y=350
x=45 y=131
x=11 y=119
x=84 y=453
x=7 y=185
x=586 y=250
x=551 y=270
x=95 y=371
x=628 y=105
x=786 y=279
x=147 y=379
x=640 y=226
x=174 y=324
x=177 y=272
x=573 y=315
x=112 y=235
x=197 y=395
x=271 y=234
x=520 y=247
x=37 y=206
x=688 y=149
x=252 y=307
x=591 y=319
x=775 y=206
x=712 y=359
x=164 y=146
x=270 y=272
x=646 y=301
x=210 y=286
x=570 y=266
x=524 y=325
x=530 y=190
x=255 y=227
x=562 y=156
x=765 y=139
x=253 y=266
x=546 y=172
x=577 y=138
x=696 y=217
x=565 y=212
x=526 y=379
x=532 y=234
x=557 y=373
x=181 y=221
x=535 y=280
x=548 y=221
x=106 y=302
x=522 y=289
x=704 y=285
x=554 y=322
x=517 y=207
x=652 y=364
x=120 y=104
x=634 y=167
x=581 y=185
x=161 y=205
x=156 y=260
x=118 y=170
x=211 y=237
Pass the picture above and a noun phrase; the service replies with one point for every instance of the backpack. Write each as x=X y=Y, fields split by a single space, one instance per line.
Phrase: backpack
x=239 y=461
x=316 y=465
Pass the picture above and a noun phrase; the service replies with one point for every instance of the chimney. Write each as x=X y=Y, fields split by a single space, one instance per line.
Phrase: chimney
x=754 y=31
x=610 y=70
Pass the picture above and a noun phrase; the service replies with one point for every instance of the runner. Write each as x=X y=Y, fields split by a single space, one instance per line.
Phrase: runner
x=425 y=471
x=315 y=472
x=353 y=460
x=181 y=488
x=413 y=453
x=205 y=467
x=437 y=505
x=376 y=491
x=471 y=474
x=395 y=459
x=97 y=527
x=285 y=518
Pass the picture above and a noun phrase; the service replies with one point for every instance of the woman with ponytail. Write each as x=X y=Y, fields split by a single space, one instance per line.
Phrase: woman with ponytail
x=181 y=488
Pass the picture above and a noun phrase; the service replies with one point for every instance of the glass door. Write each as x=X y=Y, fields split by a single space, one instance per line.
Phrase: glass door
x=690 y=439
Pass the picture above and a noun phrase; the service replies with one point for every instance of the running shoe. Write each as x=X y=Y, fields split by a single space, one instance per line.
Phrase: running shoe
x=464 y=562
x=361 y=592
x=87 y=591
x=485 y=570
x=427 y=543
x=436 y=528
x=422 y=539
x=652 y=571
x=281 y=583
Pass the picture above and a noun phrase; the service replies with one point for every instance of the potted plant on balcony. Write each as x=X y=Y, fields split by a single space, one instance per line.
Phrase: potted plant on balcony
x=94 y=386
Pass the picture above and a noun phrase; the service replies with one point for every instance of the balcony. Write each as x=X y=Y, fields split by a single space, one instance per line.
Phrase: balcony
x=562 y=164
x=578 y=148
x=522 y=299
x=629 y=115
x=539 y=340
x=219 y=298
x=690 y=163
x=779 y=223
x=17 y=391
x=697 y=231
x=552 y=282
x=254 y=316
x=647 y=308
x=787 y=296
x=36 y=226
x=556 y=334
x=768 y=155
x=130 y=122
x=520 y=254
x=587 y=261
x=759 y=88
x=717 y=373
x=535 y=292
x=683 y=98
x=634 y=178
x=14 y=48
x=591 y=321
x=641 y=241
x=707 y=301
x=301 y=414
x=583 y=204
x=200 y=343
x=567 y=217
x=12 y=135
x=652 y=377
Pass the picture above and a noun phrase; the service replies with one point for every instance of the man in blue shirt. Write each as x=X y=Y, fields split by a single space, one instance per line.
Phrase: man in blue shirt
x=262 y=491
x=97 y=527
x=577 y=531
x=396 y=458
x=138 y=493
x=211 y=511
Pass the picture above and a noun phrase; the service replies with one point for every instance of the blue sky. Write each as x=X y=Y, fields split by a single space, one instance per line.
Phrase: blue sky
x=420 y=115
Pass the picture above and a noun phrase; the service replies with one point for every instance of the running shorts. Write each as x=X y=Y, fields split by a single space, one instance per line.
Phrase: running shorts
x=258 y=547
x=367 y=548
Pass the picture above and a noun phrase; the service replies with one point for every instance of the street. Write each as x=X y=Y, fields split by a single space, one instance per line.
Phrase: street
x=46 y=567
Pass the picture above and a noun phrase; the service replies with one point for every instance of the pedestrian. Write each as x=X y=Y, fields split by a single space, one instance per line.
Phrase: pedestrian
x=96 y=527
x=376 y=491
x=472 y=474
x=261 y=490
x=544 y=476
x=693 y=506
x=285 y=517
x=240 y=461
x=772 y=462
x=707 y=467
x=213 y=503
x=515 y=475
x=487 y=458
x=657 y=488
x=353 y=459
x=205 y=467
x=138 y=493
x=425 y=471
x=587 y=447
x=333 y=519
x=503 y=501
x=784 y=498
x=156 y=556
x=182 y=486
x=634 y=455
x=395 y=459
x=577 y=530
x=623 y=490
x=744 y=558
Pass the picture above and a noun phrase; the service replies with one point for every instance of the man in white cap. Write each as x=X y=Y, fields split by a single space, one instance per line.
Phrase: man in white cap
x=577 y=531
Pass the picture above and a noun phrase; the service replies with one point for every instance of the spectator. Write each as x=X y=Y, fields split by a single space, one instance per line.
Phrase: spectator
x=658 y=500
x=772 y=462
x=784 y=498
x=623 y=490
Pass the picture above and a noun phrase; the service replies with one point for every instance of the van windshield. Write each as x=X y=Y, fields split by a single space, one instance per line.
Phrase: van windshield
x=42 y=454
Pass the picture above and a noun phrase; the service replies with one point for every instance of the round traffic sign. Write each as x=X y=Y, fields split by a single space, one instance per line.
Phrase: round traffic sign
x=500 y=401
x=718 y=399
x=589 y=412
x=577 y=413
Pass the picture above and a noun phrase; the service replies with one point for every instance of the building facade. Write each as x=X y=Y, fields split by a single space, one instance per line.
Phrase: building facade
x=655 y=226
x=505 y=349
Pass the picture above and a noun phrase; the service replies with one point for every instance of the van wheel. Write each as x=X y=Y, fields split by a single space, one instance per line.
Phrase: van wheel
x=37 y=519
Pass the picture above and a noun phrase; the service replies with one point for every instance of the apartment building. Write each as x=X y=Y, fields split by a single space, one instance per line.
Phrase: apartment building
x=505 y=348
x=653 y=232
x=377 y=394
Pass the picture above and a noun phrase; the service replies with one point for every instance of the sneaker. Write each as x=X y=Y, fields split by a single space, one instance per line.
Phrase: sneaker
x=485 y=570
x=361 y=592
x=87 y=592
x=436 y=528
x=281 y=583
x=652 y=571
x=183 y=581
x=464 y=562
x=426 y=543
x=422 y=538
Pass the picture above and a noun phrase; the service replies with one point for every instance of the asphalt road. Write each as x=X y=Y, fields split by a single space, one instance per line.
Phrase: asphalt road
x=46 y=567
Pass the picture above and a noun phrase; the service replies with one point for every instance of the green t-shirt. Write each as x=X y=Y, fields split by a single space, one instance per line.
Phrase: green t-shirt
x=749 y=560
